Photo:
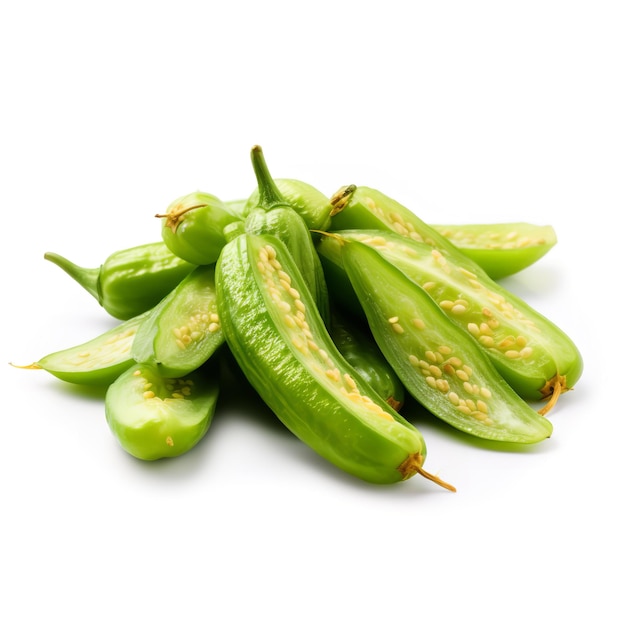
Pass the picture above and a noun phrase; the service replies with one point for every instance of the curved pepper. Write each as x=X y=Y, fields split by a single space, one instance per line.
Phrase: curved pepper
x=439 y=363
x=275 y=333
x=98 y=361
x=130 y=281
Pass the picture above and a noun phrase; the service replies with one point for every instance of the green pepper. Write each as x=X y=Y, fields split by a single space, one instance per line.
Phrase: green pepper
x=531 y=352
x=358 y=347
x=367 y=208
x=501 y=249
x=130 y=281
x=154 y=417
x=438 y=362
x=98 y=361
x=274 y=331
x=311 y=204
x=192 y=227
x=183 y=330
x=275 y=215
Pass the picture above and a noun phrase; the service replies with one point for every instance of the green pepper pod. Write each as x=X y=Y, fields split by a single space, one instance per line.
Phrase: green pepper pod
x=130 y=281
x=311 y=204
x=501 y=249
x=531 y=352
x=275 y=333
x=193 y=227
x=154 y=417
x=183 y=331
x=98 y=361
x=358 y=347
x=438 y=362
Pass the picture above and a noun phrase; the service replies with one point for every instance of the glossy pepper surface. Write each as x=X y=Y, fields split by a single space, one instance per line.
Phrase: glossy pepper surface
x=130 y=281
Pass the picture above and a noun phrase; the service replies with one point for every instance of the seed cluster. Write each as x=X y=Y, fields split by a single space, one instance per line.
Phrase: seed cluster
x=177 y=388
x=294 y=314
x=196 y=328
x=492 y=240
x=397 y=222
x=445 y=372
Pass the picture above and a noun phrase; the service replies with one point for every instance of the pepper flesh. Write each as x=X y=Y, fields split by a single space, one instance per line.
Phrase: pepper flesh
x=153 y=417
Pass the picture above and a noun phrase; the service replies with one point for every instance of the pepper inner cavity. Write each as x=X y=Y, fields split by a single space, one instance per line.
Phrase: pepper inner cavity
x=293 y=312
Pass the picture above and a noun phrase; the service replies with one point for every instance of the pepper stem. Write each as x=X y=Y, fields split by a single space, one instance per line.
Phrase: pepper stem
x=87 y=278
x=413 y=465
x=269 y=194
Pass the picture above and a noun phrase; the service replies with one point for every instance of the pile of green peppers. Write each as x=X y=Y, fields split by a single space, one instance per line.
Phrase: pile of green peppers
x=335 y=309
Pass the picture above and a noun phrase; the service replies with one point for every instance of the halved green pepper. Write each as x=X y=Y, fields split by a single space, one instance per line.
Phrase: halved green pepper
x=183 y=331
x=501 y=249
x=438 y=362
x=274 y=331
x=98 y=361
x=130 y=281
x=154 y=417
x=532 y=353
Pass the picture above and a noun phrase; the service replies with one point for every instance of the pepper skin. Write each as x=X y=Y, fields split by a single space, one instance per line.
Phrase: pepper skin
x=130 y=281
x=193 y=225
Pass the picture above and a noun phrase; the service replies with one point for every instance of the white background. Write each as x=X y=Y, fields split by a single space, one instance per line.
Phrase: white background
x=464 y=111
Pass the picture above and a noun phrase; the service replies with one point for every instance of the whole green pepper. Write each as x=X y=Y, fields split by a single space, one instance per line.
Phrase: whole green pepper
x=192 y=227
x=274 y=331
x=130 y=281
x=439 y=363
